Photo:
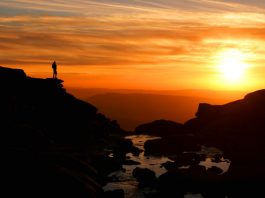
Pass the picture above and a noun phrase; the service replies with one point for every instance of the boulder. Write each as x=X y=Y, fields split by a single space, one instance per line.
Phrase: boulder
x=237 y=128
x=51 y=140
x=170 y=145
x=124 y=146
x=214 y=171
x=188 y=159
x=145 y=177
x=119 y=193
x=160 y=128
x=169 y=165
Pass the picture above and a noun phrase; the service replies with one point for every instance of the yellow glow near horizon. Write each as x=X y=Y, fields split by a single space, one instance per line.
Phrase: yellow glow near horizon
x=232 y=66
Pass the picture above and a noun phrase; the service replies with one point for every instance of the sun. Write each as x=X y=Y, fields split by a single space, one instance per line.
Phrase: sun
x=232 y=66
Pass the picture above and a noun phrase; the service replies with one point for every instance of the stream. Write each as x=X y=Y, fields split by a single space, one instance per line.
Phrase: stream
x=123 y=179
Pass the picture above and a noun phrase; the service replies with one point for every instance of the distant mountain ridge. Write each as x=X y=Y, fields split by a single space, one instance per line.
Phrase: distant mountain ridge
x=132 y=109
x=228 y=95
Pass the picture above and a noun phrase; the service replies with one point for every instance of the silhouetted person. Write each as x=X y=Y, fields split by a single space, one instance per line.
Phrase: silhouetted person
x=54 y=67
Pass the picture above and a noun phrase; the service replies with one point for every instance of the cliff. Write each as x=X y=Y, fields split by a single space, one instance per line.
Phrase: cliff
x=52 y=141
x=238 y=128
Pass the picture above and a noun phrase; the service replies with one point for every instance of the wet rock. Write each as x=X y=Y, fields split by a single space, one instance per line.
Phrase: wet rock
x=145 y=177
x=124 y=146
x=171 y=145
x=217 y=158
x=119 y=193
x=105 y=165
x=188 y=159
x=213 y=171
x=197 y=171
x=169 y=165
x=178 y=182
x=136 y=151
x=172 y=184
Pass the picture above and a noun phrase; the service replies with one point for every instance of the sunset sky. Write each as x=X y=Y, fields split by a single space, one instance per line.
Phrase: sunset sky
x=138 y=44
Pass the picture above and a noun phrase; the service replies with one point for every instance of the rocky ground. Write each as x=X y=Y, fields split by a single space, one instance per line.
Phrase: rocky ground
x=54 y=145
x=237 y=128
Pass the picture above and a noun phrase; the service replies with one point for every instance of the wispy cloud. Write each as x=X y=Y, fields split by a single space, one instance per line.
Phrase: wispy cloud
x=176 y=37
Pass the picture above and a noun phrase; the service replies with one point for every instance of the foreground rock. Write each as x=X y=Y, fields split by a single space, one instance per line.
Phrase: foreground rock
x=238 y=129
x=125 y=146
x=170 y=145
x=178 y=182
x=145 y=177
x=114 y=194
x=51 y=140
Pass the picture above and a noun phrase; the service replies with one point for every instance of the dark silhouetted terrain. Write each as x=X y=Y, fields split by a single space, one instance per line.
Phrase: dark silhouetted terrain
x=237 y=128
x=225 y=95
x=132 y=109
x=53 y=143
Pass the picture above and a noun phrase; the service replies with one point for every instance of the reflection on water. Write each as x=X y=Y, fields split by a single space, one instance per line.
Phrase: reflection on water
x=123 y=179
x=151 y=162
x=224 y=164
x=210 y=152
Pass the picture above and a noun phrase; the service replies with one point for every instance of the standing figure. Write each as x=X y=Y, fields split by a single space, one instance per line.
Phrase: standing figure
x=54 y=67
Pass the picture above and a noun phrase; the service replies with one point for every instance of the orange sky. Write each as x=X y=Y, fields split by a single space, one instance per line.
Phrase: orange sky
x=159 y=44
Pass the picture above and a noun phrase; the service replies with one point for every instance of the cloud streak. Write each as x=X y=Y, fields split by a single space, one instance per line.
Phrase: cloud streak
x=166 y=38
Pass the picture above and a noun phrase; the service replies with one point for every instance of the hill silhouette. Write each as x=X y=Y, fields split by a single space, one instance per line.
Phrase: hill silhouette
x=224 y=95
x=237 y=128
x=160 y=128
x=52 y=142
x=145 y=107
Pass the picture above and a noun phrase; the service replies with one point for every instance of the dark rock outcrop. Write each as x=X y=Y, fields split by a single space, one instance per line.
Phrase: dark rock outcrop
x=124 y=146
x=145 y=177
x=160 y=128
x=50 y=139
x=238 y=129
x=214 y=171
x=169 y=145
x=195 y=179
x=119 y=193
